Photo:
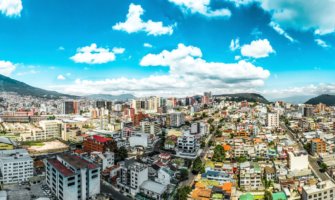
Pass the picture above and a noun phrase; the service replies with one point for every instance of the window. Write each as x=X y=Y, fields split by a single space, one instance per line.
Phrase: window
x=70 y=184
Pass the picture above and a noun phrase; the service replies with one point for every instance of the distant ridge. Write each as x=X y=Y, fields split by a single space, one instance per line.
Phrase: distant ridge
x=327 y=99
x=251 y=97
x=108 y=97
x=11 y=85
x=294 y=99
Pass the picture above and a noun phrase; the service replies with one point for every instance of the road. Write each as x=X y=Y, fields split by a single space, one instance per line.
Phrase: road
x=312 y=160
x=107 y=189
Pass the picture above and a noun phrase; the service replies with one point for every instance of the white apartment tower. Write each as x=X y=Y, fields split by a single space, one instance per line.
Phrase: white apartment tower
x=273 y=120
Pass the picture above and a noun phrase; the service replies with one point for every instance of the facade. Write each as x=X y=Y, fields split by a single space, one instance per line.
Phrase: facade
x=131 y=175
x=96 y=143
x=323 y=190
x=177 y=119
x=71 y=177
x=250 y=176
x=70 y=107
x=51 y=128
x=152 y=128
x=187 y=145
x=16 y=166
x=273 y=120
x=318 y=146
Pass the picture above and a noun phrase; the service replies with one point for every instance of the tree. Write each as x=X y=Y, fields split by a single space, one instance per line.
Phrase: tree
x=308 y=147
x=210 y=120
x=183 y=174
x=121 y=153
x=203 y=144
x=183 y=192
x=210 y=143
x=51 y=117
x=112 y=146
x=323 y=167
x=218 y=133
x=197 y=166
x=219 y=154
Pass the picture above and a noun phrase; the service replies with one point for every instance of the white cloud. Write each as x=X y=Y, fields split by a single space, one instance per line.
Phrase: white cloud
x=234 y=44
x=134 y=23
x=280 y=31
x=188 y=73
x=202 y=7
x=61 y=48
x=321 y=43
x=303 y=15
x=95 y=55
x=61 y=77
x=6 y=67
x=147 y=45
x=242 y=2
x=257 y=49
x=11 y=8
x=118 y=50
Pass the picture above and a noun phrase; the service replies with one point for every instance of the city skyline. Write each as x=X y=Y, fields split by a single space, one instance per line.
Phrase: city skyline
x=170 y=47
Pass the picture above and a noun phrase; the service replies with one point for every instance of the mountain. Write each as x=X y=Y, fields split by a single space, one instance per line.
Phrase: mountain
x=294 y=99
x=251 y=97
x=108 y=97
x=11 y=85
x=327 y=99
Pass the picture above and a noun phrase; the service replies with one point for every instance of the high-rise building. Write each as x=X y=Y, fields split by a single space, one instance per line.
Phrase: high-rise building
x=318 y=146
x=71 y=177
x=51 y=128
x=177 y=119
x=273 y=120
x=131 y=175
x=15 y=166
x=70 y=107
x=308 y=111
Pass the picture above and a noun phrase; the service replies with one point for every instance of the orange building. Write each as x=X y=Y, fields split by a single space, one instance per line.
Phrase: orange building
x=96 y=143
x=318 y=146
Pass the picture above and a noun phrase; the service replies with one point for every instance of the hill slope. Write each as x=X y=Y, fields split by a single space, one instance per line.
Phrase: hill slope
x=251 y=97
x=327 y=99
x=11 y=85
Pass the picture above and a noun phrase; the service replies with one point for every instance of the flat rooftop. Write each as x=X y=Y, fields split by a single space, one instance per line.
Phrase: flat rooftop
x=60 y=167
x=78 y=162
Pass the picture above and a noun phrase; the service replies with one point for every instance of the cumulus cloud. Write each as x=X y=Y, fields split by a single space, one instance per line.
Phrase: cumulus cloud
x=321 y=43
x=188 y=73
x=11 y=8
x=257 y=49
x=280 y=31
x=7 y=67
x=202 y=7
x=134 y=23
x=315 y=15
x=234 y=44
x=148 y=45
x=95 y=55
x=61 y=77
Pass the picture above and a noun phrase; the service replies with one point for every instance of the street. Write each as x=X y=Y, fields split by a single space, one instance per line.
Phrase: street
x=107 y=189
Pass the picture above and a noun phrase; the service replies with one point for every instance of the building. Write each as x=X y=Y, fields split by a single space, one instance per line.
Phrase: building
x=7 y=143
x=308 y=111
x=318 y=146
x=96 y=143
x=70 y=107
x=131 y=176
x=152 y=128
x=321 y=191
x=153 y=190
x=51 y=128
x=273 y=120
x=187 y=145
x=297 y=161
x=16 y=166
x=139 y=139
x=250 y=176
x=177 y=119
x=71 y=177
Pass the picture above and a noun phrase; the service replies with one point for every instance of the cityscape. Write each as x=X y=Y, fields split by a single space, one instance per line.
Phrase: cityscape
x=167 y=100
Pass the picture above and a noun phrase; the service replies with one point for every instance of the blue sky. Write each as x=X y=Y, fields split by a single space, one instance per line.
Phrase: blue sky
x=170 y=47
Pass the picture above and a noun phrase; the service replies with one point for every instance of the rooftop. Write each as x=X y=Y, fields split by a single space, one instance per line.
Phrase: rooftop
x=60 y=167
x=153 y=186
x=78 y=162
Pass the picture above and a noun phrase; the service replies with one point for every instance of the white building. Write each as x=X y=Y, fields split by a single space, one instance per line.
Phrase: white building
x=105 y=159
x=273 y=120
x=177 y=119
x=187 y=145
x=153 y=190
x=16 y=166
x=71 y=177
x=138 y=139
x=51 y=128
x=297 y=161
x=152 y=128
x=164 y=176
x=321 y=191
x=131 y=175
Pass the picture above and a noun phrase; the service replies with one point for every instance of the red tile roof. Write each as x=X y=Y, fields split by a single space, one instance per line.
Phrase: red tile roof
x=101 y=139
x=60 y=167
x=78 y=162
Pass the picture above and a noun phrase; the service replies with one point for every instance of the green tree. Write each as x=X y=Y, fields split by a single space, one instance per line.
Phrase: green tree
x=308 y=147
x=121 y=154
x=323 y=167
x=219 y=154
x=197 y=166
x=210 y=120
x=183 y=174
x=183 y=192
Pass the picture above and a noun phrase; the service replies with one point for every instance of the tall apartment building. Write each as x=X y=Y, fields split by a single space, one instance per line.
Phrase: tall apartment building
x=273 y=120
x=318 y=146
x=152 y=128
x=187 y=145
x=308 y=111
x=250 y=176
x=15 y=166
x=70 y=107
x=321 y=191
x=131 y=175
x=176 y=119
x=51 y=128
x=70 y=177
